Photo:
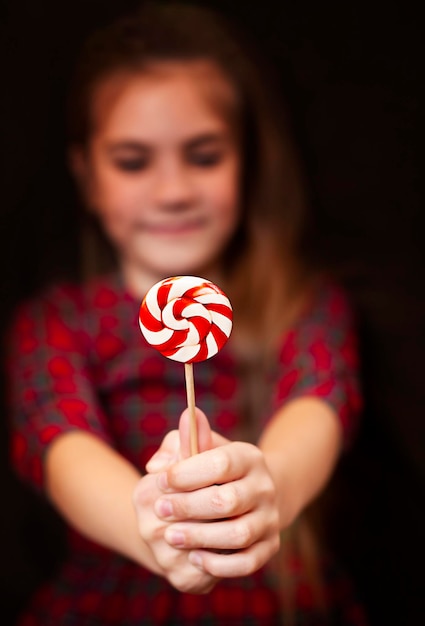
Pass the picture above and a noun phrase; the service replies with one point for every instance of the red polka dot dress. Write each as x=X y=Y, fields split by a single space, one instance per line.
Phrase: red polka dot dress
x=77 y=360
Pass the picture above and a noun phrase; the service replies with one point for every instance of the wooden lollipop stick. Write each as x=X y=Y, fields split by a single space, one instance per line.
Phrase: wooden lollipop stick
x=188 y=305
x=190 y=392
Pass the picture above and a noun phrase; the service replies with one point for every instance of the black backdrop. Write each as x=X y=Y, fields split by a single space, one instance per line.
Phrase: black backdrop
x=351 y=73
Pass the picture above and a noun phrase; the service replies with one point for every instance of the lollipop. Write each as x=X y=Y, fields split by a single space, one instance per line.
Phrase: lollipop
x=188 y=319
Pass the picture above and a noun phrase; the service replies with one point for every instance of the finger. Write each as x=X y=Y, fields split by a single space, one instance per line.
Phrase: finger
x=235 y=534
x=219 y=465
x=210 y=503
x=235 y=564
x=203 y=432
x=167 y=453
x=191 y=579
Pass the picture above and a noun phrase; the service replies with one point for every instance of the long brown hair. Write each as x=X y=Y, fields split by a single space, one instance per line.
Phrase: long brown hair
x=261 y=265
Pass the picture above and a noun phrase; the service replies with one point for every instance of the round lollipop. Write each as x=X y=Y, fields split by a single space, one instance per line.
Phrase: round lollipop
x=188 y=319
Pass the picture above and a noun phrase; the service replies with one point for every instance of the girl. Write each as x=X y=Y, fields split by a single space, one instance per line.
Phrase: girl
x=182 y=160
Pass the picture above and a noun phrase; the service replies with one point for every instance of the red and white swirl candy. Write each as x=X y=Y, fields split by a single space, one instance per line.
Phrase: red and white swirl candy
x=186 y=318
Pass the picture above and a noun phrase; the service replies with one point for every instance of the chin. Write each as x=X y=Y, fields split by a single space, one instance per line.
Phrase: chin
x=182 y=270
x=181 y=266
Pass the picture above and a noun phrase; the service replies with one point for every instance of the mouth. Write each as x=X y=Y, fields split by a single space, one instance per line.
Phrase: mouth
x=180 y=227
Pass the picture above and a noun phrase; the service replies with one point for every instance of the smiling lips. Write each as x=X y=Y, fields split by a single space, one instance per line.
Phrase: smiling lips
x=171 y=228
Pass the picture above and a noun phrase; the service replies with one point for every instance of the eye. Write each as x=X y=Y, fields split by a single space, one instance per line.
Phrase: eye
x=205 y=158
x=131 y=165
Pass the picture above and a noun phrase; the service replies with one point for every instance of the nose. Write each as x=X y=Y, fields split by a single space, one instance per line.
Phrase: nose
x=174 y=187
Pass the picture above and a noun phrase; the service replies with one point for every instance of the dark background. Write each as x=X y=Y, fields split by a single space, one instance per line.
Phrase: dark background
x=351 y=74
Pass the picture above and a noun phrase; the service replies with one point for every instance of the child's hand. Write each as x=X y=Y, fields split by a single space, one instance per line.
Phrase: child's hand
x=228 y=486
x=172 y=561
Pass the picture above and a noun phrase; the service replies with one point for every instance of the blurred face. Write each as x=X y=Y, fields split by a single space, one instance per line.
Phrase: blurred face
x=161 y=170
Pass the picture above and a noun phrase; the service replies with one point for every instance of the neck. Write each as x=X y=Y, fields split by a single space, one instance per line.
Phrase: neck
x=138 y=281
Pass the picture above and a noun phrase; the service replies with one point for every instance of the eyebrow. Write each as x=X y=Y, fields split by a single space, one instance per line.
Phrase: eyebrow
x=206 y=139
x=127 y=145
x=199 y=141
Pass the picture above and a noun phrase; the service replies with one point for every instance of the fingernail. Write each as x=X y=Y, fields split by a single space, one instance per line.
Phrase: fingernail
x=195 y=559
x=164 y=508
x=176 y=537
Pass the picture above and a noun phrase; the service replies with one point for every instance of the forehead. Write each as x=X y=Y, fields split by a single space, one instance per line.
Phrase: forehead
x=165 y=96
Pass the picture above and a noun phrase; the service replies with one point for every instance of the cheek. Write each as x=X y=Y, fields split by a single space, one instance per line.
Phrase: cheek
x=226 y=193
x=111 y=194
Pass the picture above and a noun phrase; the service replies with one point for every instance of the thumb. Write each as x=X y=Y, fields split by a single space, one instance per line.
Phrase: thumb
x=166 y=455
x=204 y=434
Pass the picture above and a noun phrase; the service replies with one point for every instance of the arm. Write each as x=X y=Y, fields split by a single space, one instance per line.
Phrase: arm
x=301 y=446
x=92 y=487
x=60 y=437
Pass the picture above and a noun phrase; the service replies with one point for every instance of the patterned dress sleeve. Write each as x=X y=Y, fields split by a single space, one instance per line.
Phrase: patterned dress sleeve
x=319 y=357
x=50 y=386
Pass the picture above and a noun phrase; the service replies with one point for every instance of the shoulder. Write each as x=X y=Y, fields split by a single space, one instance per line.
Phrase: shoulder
x=324 y=328
x=63 y=309
x=328 y=303
x=318 y=355
x=327 y=316
x=66 y=299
